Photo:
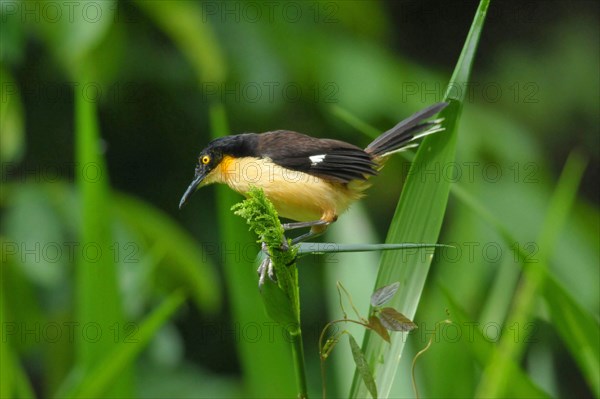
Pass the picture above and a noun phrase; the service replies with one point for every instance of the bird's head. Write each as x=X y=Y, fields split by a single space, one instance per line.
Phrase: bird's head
x=212 y=157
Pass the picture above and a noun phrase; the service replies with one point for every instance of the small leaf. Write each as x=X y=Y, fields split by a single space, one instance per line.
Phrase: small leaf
x=384 y=294
x=375 y=325
x=363 y=367
x=395 y=321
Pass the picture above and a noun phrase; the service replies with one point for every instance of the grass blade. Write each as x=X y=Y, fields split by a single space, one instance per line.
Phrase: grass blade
x=483 y=350
x=114 y=362
x=496 y=372
x=98 y=299
x=578 y=329
x=418 y=218
x=332 y=247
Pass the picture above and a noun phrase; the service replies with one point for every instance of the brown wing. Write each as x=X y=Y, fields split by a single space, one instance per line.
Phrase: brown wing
x=326 y=158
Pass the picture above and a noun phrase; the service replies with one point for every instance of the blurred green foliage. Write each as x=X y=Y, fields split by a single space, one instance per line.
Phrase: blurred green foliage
x=93 y=243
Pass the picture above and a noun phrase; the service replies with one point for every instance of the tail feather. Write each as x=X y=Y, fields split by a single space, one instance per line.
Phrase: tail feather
x=412 y=128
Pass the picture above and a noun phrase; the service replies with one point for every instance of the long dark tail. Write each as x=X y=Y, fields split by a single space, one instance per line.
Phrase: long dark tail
x=410 y=129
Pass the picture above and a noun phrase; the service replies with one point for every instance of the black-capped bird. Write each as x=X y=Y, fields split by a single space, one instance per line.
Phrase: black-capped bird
x=309 y=180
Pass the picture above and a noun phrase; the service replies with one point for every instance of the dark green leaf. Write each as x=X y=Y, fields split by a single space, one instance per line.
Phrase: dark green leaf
x=363 y=367
x=384 y=294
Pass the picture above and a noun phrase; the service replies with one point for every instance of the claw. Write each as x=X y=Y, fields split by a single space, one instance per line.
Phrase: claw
x=266 y=266
x=284 y=244
x=271 y=271
x=266 y=269
x=263 y=247
x=262 y=271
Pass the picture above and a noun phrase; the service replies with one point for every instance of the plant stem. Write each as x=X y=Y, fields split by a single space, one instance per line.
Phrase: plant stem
x=298 y=356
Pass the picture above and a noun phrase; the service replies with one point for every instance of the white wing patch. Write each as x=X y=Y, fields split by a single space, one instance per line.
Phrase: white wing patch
x=315 y=159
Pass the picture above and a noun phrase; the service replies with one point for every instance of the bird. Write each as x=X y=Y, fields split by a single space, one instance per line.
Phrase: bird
x=309 y=180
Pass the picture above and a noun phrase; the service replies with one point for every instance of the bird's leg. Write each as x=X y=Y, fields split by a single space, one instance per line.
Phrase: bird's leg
x=306 y=236
x=284 y=243
x=301 y=225
x=265 y=269
x=318 y=227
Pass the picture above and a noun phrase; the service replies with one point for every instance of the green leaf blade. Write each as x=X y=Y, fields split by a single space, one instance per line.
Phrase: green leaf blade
x=97 y=293
x=419 y=216
x=483 y=350
x=578 y=329
x=99 y=379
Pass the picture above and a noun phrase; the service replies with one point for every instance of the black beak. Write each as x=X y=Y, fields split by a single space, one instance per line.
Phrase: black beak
x=191 y=188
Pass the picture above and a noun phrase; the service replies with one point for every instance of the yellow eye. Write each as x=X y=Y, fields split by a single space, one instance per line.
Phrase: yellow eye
x=205 y=159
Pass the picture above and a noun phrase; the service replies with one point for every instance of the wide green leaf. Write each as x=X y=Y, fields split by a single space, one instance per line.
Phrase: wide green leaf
x=418 y=218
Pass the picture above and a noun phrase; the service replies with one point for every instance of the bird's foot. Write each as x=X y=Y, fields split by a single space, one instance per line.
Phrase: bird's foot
x=266 y=269
x=266 y=266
